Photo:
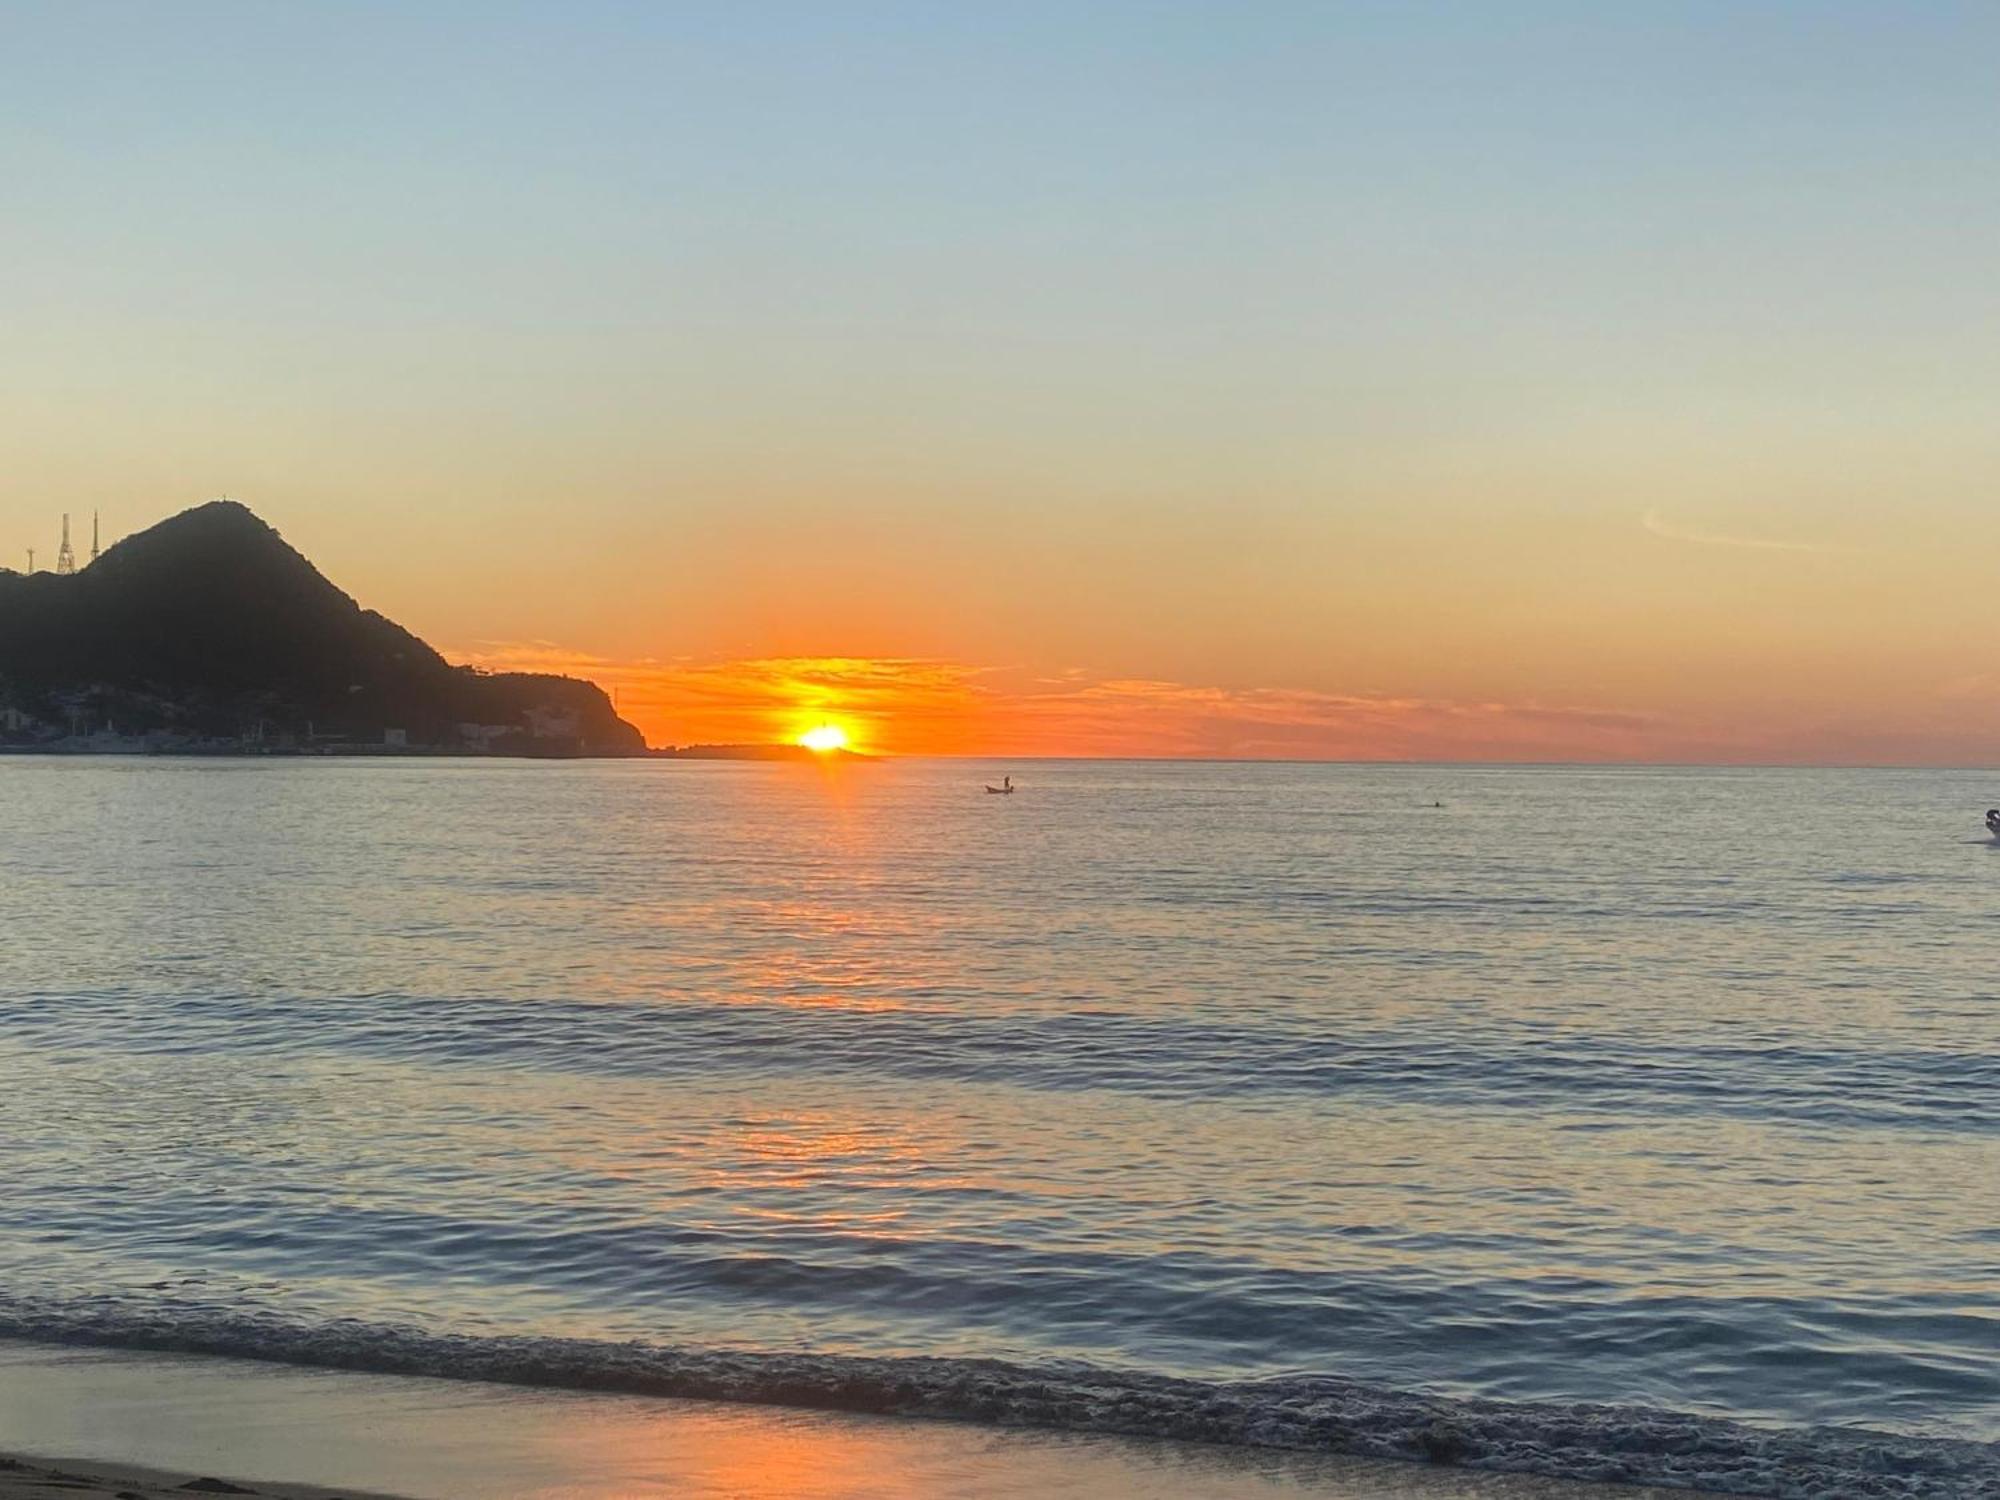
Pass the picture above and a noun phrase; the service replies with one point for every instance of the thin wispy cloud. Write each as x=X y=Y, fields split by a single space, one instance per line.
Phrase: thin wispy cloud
x=1660 y=526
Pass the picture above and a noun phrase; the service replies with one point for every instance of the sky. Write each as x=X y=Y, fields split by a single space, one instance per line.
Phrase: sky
x=1413 y=381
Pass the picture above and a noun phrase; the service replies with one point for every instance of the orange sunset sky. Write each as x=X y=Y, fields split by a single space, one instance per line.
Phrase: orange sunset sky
x=1462 y=382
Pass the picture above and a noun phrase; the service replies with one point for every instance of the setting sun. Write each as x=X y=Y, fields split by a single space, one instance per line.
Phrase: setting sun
x=824 y=738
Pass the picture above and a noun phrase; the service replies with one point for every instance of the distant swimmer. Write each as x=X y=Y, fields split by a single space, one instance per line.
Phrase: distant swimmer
x=1993 y=821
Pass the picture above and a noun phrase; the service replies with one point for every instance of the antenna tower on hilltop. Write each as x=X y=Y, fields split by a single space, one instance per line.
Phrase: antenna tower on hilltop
x=65 y=558
x=93 y=536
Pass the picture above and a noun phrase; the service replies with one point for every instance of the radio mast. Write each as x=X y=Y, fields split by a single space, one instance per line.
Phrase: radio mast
x=93 y=536
x=65 y=558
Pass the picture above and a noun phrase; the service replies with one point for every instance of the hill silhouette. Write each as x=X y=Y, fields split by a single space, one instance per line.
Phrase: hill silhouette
x=209 y=627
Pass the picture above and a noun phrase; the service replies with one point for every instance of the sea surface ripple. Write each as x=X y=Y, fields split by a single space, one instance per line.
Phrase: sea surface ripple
x=1631 y=1123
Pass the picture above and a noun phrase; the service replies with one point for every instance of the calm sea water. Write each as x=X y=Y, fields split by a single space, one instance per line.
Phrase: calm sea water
x=1676 y=1090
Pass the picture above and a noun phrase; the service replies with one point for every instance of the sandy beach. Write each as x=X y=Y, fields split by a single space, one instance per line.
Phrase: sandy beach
x=80 y=1479
x=157 y=1426
x=85 y=1479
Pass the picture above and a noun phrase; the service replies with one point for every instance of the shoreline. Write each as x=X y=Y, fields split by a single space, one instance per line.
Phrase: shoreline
x=1303 y=1420
x=157 y=1425
x=36 y=1477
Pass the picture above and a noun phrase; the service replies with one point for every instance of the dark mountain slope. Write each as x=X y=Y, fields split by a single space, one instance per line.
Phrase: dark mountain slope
x=208 y=624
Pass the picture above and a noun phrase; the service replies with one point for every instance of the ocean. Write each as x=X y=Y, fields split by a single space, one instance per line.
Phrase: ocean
x=1626 y=1123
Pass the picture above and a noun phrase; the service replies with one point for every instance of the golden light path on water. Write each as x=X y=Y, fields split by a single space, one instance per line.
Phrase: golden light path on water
x=1202 y=1073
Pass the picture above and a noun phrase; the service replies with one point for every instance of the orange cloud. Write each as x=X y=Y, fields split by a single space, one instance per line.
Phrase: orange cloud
x=918 y=706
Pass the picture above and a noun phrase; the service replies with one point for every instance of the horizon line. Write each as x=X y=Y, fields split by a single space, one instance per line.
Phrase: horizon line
x=1302 y=760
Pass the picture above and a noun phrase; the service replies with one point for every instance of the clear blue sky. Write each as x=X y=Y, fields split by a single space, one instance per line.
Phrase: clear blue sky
x=1237 y=330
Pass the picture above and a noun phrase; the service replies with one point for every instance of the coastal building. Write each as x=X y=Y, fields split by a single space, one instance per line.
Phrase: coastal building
x=484 y=737
x=551 y=724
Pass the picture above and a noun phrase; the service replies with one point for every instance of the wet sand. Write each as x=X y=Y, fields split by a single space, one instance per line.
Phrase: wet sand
x=80 y=1479
x=286 y=1432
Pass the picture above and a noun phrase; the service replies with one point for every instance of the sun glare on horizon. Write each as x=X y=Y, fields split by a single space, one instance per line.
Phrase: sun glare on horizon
x=824 y=738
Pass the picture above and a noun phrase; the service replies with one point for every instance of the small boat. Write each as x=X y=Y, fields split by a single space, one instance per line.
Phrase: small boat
x=1005 y=789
